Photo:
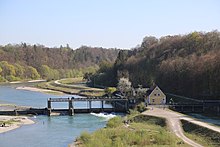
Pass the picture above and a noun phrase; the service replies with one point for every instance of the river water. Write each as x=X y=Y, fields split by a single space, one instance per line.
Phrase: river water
x=54 y=131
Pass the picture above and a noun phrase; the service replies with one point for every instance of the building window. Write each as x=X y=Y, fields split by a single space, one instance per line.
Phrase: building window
x=158 y=94
x=155 y=94
x=153 y=100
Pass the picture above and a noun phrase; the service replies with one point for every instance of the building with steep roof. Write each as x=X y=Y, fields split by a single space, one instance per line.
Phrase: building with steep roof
x=155 y=96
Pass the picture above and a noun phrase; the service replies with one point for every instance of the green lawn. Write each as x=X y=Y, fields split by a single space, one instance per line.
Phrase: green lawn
x=142 y=131
x=72 y=80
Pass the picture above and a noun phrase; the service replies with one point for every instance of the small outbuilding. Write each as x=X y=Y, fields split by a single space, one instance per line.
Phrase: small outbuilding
x=155 y=96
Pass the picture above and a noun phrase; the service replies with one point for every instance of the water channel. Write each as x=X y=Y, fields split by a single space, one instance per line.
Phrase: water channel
x=54 y=131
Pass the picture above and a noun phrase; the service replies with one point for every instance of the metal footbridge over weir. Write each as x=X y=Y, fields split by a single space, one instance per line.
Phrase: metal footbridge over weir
x=119 y=105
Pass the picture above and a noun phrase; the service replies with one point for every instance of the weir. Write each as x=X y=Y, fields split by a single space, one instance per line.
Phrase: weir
x=69 y=100
x=71 y=110
x=119 y=105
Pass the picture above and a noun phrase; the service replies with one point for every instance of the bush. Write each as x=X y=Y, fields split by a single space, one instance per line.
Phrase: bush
x=141 y=107
x=133 y=112
x=114 y=122
x=110 y=90
x=85 y=137
x=2 y=79
x=12 y=78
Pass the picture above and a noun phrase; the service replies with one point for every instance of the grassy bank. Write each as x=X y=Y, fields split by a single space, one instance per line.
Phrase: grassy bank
x=72 y=86
x=203 y=136
x=71 y=80
x=138 y=131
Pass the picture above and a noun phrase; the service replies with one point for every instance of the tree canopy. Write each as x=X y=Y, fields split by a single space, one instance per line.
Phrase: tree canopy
x=187 y=65
x=23 y=61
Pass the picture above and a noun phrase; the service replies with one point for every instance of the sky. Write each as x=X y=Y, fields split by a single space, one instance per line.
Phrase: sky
x=103 y=23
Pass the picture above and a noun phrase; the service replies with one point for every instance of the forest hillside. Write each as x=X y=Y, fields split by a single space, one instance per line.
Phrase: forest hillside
x=22 y=61
x=187 y=65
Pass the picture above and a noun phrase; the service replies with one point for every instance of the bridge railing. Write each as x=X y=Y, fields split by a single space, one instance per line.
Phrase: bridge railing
x=59 y=99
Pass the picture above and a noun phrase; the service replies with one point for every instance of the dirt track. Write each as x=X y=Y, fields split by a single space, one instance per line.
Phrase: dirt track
x=173 y=120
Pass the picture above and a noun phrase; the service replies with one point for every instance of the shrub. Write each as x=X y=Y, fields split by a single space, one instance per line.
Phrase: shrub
x=85 y=137
x=12 y=78
x=2 y=79
x=110 y=90
x=133 y=112
x=141 y=107
x=114 y=122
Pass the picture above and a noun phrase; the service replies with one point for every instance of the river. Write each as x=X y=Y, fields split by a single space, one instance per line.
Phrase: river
x=54 y=131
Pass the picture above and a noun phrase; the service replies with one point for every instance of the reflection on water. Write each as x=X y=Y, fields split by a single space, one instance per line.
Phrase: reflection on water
x=55 y=131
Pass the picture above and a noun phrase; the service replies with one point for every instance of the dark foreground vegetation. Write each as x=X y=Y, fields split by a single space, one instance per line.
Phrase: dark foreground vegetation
x=200 y=134
x=187 y=65
x=140 y=131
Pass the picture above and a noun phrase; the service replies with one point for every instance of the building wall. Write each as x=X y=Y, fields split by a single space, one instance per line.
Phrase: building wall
x=157 y=97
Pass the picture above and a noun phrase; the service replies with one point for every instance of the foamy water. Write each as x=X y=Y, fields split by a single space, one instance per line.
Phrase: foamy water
x=104 y=115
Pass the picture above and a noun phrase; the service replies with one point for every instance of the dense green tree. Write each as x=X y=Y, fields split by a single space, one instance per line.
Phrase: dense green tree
x=104 y=66
x=19 y=70
x=1 y=78
x=7 y=69
x=46 y=72
x=31 y=72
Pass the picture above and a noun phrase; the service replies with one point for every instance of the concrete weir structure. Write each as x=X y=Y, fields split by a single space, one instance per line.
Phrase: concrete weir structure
x=71 y=110
x=118 y=105
x=69 y=100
